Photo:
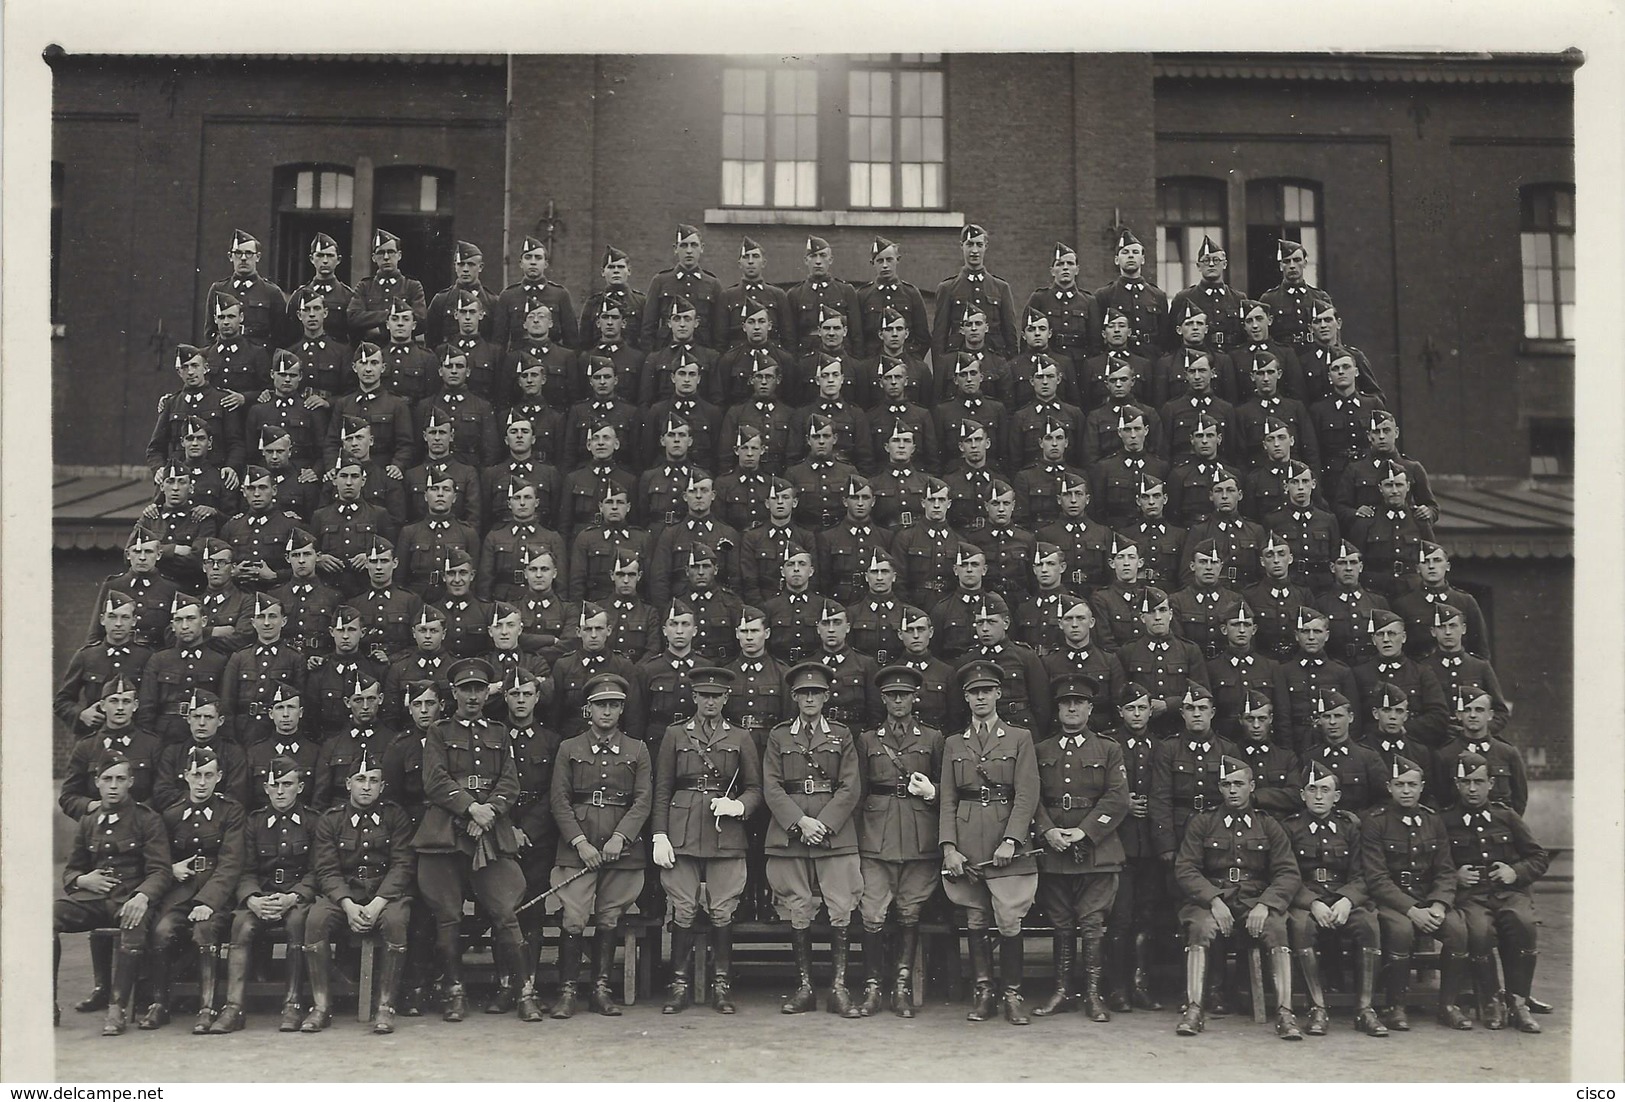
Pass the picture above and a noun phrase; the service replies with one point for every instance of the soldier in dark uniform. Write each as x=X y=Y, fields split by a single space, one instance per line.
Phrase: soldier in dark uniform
x=1184 y=770
x=1257 y=347
x=821 y=479
x=1222 y=303
x=472 y=419
x=364 y=868
x=811 y=782
x=990 y=794
x=888 y=292
x=685 y=280
x=1115 y=481
x=1456 y=670
x=1117 y=604
x=358 y=735
x=1070 y=308
x=1025 y=688
x=1305 y=675
x=534 y=288
x=525 y=463
x=829 y=401
x=1433 y=589
x=218 y=411
x=277 y=886
x=1359 y=768
x=667 y=698
x=852 y=700
x=259 y=535
x=1040 y=484
x=119 y=867
x=750 y=297
x=1326 y=344
x=1076 y=651
x=1238 y=540
x=844 y=551
x=1426 y=703
x=368 y=310
x=953 y=617
x=669 y=558
x=228 y=612
x=598 y=548
x=206 y=846
x=1083 y=541
x=1471 y=733
x=324 y=360
x=1357 y=493
x=617 y=272
x=1348 y=607
x=302 y=416
x=571 y=673
x=468 y=263
x=252 y=675
x=905 y=392
x=1256 y=418
x=657 y=377
x=820 y=291
x=1190 y=498
x=1276 y=599
x=411 y=367
x=708 y=769
x=170 y=676
x=1293 y=301
x=1341 y=418
x=1238 y=670
x=764 y=413
x=1275 y=768
x=1236 y=863
x=1164 y=663
x=1142 y=882
x=1083 y=803
x=972 y=478
x=335 y=293
x=468 y=335
x=287 y=737
x=265 y=307
x=1188 y=344
x=1143 y=302
x=601 y=797
x=742 y=495
x=875 y=617
x=1202 y=608
x=77 y=703
x=1037 y=621
x=601 y=406
x=1161 y=544
x=634 y=624
x=1405 y=855
x=389 y=414
x=1394 y=539
x=925 y=550
x=1388 y=734
x=115 y=733
x=1332 y=900
x=1102 y=423
x=1497 y=860
x=973 y=284
x=897 y=836
x=501 y=573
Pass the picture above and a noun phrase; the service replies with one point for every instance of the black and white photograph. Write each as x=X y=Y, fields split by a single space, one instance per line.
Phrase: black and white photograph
x=675 y=560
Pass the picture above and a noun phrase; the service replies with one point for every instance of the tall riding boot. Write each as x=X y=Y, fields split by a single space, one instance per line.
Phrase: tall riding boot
x=1452 y=970
x=874 y=971
x=803 y=998
x=510 y=961
x=1120 y=966
x=1218 y=978
x=681 y=995
x=602 y=999
x=56 y=967
x=157 y=1013
x=422 y=947
x=389 y=987
x=230 y=1018
x=454 y=1001
x=1492 y=1009
x=722 y=963
x=1191 y=1020
x=1060 y=999
x=126 y=967
x=1094 y=967
x=1520 y=971
x=1396 y=984
x=1011 y=966
x=319 y=962
x=1309 y=965
x=1286 y=1023
x=569 y=974
x=984 y=1000
x=530 y=1007
x=101 y=966
x=1366 y=1020
x=208 y=960
x=296 y=980
x=1143 y=999
x=908 y=941
x=840 y=999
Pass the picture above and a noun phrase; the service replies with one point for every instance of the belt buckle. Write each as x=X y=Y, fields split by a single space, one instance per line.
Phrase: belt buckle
x=185 y=708
x=1234 y=875
x=518 y=577
x=475 y=782
x=807 y=786
x=1322 y=876
x=199 y=862
x=901 y=791
x=986 y=795
x=1199 y=802
x=1077 y=577
x=279 y=878
x=1066 y=802
x=882 y=656
x=905 y=519
x=1407 y=878
x=597 y=798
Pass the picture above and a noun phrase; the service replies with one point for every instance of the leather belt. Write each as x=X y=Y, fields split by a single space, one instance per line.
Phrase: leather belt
x=698 y=784
x=988 y=793
x=282 y=874
x=752 y=722
x=600 y=797
x=1068 y=803
x=1406 y=878
x=181 y=710
x=1197 y=802
x=1323 y=876
x=809 y=787
x=200 y=864
x=899 y=790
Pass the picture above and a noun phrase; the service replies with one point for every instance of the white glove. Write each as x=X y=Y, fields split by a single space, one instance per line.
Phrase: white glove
x=920 y=785
x=665 y=856
x=727 y=807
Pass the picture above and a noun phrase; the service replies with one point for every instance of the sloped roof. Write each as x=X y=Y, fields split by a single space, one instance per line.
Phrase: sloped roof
x=1406 y=68
x=95 y=511
x=1482 y=518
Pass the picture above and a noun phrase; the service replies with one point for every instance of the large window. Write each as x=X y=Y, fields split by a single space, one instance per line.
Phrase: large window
x=890 y=107
x=1547 y=244
x=1187 y=211
x=415 y=204
x=1277 y=209
x=310 y=199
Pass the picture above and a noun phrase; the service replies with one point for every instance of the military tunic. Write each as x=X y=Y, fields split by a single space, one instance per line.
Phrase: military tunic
x=1083 y=784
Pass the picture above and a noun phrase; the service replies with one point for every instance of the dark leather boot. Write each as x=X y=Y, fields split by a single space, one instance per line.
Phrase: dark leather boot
x=1286 y=1022
x=454 y=999
x=126 y=967
x=290 y=1000
x=840 y=999
x=722 y=962
x=1366 y=1020
x=208 y=961
x=1060 y=999
x=803 y=998
x=1120 y=963
x=230 y=1018
x=530 y=1005
x=902 y=1000
x=602 y=1000
x=1522 y=1016
x=389 y=987
x=681 y=995
x=569 y=974
x=1452 y=970
x=510 y=962
x=984 y=999
x=319 y=962
x=1309 y=964
x=1191 y=1019
x=1010 y=975
x=101 y=966
x=1492 y=1010
x=1218 y=979
x=1143 y=999
x=156 y=1015
x=1520 y=976
x=1094 y=968
x=874 y=970
x=1396 y=984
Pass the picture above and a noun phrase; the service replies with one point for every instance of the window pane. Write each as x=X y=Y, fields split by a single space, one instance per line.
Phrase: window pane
x=733 y=91
x=807 y=138
x=1527 y=247
x=908 y=139
x=807 y=92
x=858 y=185
x=756 y=184
x=913 y=196
x=755 y=137
x=1548 y=321
x=784 y=184
x=733 y=184
x=784 y=92
x=1528 y=283
x=932 y=93
x=807 y=183
x=933 y=186
x=1543 y=285
x=880 y=185
x=931 y=59
x=933 y=139
x=303 y=187
x=756 y=92
x=1531 y=320
x=908 y=89
x=784 y=138
x=1565 y=250
x=880 y=140
x=858 y=92
x=346 y=192
x=1566 y=316
x=1563 y=212
x=733 y=136
x=880 y=94
x=857 y=146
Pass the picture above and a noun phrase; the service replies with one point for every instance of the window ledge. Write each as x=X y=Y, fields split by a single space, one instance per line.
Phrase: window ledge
x=919 y=219
x=1532 y=346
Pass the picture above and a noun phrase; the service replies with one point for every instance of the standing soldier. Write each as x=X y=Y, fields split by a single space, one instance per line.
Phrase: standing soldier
x=573 y=671
x=989 y=794
x=115 y=733
x=973 y=284
x=709 y=775
x=1142 y=302
x=1221 y=303
x=906 y=391
x=171 y=676
x=1236 y=865
x=1349 y=606
x=265 y=307
x=734 y=304
x=368 y=310
x=759 y=696
x=888 y=292
x=77 y=703
x=467 y=262
x=1293 y=301
x=686 y=279
x=601 y=797
x=1472 y=735
x=277 y=887
x=1275 y=768
x=535 y=748
x=811 y=783
x=617 y=272
x=875 y=618
x=1428 y=716
x=845 y=551
x=926 y=549
x=120 y=866
x=1069 y=307
x=1083 y=804
x=364 y=862
x=325 y=284
x=534 y=288
x=1169 y=666
x=820 y=291
x=1142 y=884
x=1306 y=677
x=1024 y=691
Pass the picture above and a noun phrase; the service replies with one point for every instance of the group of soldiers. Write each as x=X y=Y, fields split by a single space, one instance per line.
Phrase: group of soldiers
x=746 y=603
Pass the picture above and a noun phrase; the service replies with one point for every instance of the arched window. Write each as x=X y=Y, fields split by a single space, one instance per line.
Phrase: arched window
x=416 y=204
x=1547 y=246
x=1277 y=209
x=1188 y=209
x=310 y=199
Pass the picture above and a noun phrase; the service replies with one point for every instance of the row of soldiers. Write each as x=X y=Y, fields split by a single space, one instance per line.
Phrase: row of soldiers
x=860 y=820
